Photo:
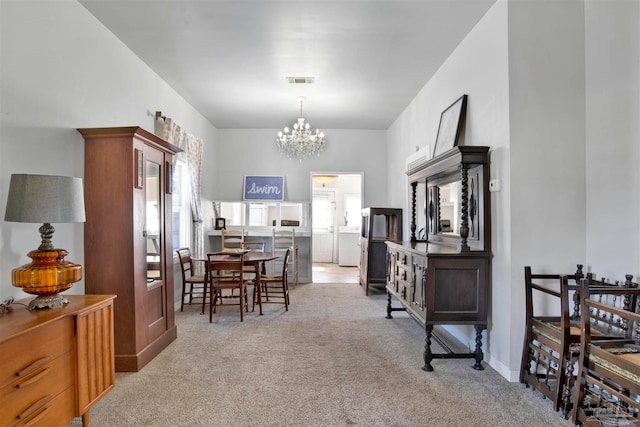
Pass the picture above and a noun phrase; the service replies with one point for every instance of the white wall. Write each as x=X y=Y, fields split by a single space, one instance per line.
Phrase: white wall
x=479 y=68
x=257 y=154
x=61 y=70
x=560 y=108
x=547 y=115
x=613 y=138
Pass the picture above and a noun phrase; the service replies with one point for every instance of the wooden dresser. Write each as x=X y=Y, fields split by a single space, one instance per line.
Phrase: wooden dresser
x=55 y=364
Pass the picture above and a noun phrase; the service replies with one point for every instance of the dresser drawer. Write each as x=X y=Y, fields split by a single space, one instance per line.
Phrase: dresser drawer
x=35 y=349
x=28 y=394
x=57 y=412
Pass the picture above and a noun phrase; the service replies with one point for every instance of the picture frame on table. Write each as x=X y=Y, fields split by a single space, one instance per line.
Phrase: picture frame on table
x=221 y=223
x=452 y=122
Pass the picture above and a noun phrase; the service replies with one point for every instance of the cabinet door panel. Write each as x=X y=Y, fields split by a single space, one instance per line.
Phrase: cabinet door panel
x=456 y=290
x=155 y=301
x=96 y=365
x=419 y=264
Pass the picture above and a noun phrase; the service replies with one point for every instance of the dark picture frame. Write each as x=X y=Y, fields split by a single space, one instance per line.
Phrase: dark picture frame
x=221 y=223
x=452 y=122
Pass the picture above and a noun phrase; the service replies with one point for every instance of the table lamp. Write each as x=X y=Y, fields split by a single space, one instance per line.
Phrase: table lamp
x=45 y=199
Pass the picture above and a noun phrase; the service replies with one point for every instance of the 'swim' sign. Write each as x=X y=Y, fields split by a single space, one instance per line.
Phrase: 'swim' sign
x=263 y=187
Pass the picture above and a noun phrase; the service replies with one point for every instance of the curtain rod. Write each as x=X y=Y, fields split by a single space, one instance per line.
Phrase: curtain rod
x=160 y=116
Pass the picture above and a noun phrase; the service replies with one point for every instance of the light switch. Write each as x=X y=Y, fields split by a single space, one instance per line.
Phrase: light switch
x=494 y=185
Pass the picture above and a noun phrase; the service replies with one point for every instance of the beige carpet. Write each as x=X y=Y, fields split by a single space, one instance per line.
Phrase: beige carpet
x=332 y=360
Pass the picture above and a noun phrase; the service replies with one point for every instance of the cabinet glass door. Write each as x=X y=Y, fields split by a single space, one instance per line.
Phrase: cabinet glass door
x=155 y=304
x=153 y=222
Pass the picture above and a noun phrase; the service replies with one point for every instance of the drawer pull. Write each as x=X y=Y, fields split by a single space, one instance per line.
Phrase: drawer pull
x=37 y=377
x=36 y=420
x=39 y=405
x=33 y=366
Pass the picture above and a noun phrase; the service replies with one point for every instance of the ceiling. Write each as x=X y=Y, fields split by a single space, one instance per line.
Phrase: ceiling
x=230 y=58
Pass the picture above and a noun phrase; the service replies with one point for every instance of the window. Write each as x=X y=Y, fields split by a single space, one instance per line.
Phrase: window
x=181 y=212
x=352 y=209
x=322 y=211
x=258 y=214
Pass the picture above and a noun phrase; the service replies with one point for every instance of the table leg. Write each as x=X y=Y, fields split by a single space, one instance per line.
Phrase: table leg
x=206 y=286
x=258 y=285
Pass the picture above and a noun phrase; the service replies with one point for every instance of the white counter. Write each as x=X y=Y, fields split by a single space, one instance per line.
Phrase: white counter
x=264 y=231
x=349 y=246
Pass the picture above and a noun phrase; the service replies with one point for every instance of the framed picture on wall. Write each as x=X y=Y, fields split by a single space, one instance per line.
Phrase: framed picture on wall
x=452 y=121
x=263 y=187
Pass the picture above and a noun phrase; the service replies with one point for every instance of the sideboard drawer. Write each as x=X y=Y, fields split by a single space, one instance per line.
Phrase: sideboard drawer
x=26 y=396
x=34 y=350
x=53 y=413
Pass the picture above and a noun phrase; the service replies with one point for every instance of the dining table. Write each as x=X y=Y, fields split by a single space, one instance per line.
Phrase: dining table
x=251 y=258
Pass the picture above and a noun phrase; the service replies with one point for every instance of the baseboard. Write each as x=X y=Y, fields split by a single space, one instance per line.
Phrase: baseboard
x=135 y=362
x=503 y=370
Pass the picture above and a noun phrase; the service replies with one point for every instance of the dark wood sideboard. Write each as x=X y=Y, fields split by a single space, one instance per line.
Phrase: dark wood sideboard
x=445 y=278
x=378 y=226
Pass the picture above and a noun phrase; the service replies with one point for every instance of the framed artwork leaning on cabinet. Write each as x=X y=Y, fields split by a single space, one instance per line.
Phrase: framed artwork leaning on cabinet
x=451 y=127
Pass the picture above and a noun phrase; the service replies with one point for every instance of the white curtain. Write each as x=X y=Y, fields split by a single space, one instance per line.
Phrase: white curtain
x=192 y=156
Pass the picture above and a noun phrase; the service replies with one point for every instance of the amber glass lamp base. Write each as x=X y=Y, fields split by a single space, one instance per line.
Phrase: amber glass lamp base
x=47 y=276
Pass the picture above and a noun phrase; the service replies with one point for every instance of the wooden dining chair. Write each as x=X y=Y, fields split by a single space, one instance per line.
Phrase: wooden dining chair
x=220 y=280
x=608 y=386
x=274 y=288
x=281 y=241
x=551 y=333
x=254 y=246
x=232 y=239
x=192 y=284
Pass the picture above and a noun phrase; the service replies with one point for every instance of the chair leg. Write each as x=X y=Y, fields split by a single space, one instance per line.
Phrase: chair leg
x=204 y=296
x=240 y=303
x=205 y=286
x=254 y=296
x=285 y=289
x=211 y=303
x=182 y=298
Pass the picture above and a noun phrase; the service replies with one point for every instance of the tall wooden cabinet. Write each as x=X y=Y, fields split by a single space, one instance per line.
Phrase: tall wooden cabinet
x=445 y=279
x=128 y=244
x=378 y=225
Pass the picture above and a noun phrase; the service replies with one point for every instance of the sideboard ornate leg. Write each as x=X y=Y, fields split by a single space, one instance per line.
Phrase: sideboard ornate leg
x=388 y=316
x=428 y=356
x=478 y=351
x=566 y=404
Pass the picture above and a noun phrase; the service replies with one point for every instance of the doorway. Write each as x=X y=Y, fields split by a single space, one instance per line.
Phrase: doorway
x=337 y=200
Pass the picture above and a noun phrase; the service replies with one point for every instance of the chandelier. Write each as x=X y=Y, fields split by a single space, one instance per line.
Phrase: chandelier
x=301 y=142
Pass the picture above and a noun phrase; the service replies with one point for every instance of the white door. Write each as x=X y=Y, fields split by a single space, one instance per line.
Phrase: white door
x=323 y=217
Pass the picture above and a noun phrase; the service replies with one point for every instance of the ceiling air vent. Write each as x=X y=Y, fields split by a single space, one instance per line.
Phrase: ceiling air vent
x=301 y=80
